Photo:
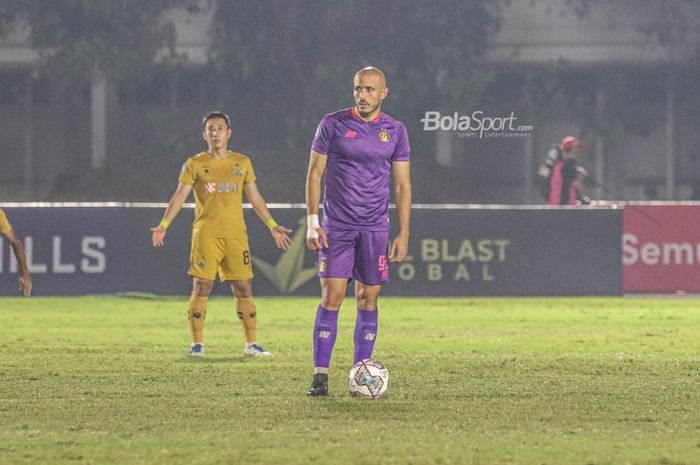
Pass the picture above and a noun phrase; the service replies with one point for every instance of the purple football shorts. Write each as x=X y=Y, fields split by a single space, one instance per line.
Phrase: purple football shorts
x=360 y=255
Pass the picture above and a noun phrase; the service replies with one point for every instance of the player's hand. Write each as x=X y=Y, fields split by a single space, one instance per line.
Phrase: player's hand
x=398 y=249
x=281 y=236
x=25 y=284
x=158 y=236
x=316 y=238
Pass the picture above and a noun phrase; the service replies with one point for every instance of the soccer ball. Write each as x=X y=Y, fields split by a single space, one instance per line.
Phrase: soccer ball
x=369 y=378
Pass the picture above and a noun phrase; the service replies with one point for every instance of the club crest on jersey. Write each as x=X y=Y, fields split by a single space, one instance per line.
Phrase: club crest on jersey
x=237 y=171
x=384 y=135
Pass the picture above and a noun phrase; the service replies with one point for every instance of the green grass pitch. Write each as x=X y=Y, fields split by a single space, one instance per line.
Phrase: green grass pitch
x=589 y=381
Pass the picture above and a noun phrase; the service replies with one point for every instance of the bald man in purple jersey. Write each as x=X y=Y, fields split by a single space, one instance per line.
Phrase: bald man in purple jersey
x=358 y=148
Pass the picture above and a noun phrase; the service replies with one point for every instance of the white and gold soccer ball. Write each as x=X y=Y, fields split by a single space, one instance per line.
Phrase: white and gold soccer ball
x=369 y=378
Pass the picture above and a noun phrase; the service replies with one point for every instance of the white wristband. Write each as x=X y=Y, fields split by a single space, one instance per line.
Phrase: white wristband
x=312 y=221
x=312 y=225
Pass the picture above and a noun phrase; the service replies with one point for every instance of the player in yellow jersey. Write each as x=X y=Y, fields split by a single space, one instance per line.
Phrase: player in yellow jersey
x=219 y=177
x=25 y=281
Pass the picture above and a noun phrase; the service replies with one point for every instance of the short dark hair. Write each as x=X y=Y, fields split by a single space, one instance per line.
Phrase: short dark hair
x=216 y=114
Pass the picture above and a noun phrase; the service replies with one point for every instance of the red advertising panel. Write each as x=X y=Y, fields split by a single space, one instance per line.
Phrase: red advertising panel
x=661 y=248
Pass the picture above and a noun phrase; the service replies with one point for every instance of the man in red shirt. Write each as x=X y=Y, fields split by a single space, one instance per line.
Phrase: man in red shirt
x=566 y=178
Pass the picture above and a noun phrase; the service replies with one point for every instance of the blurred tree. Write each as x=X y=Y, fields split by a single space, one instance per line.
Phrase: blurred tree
x=77 y=38
x=676 y=27
x=86 y=48
x=632 y=103
x=302 y=55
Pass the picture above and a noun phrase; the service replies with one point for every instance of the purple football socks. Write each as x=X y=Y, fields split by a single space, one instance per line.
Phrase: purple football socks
x=325 y=332
x=365 y=333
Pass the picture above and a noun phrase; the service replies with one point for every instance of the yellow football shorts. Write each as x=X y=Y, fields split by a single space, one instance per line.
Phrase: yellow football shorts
x=229 y=256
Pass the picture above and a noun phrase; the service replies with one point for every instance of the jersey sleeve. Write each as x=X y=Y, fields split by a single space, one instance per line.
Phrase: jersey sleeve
x=187 y=174
x=249 y=172
x=324 y=136
x=4 y=224
x=402 y=151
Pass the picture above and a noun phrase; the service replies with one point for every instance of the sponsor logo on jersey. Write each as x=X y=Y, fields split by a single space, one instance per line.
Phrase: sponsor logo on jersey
x=227 y=187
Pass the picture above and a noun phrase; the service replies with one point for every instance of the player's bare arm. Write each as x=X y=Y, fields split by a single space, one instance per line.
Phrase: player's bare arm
x=174 y=206
x=315 y=235
x=402 y=192
x=25 y=280
x=279 y=233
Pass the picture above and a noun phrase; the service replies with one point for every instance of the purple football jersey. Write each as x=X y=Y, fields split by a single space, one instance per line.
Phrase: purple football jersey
x=360 y=154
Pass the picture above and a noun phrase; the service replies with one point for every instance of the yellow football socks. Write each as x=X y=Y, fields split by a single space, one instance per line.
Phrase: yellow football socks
x=197 y=312
x=245 y=306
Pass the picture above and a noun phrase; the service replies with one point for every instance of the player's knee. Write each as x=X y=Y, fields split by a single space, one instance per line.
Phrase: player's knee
x=242 y=289
x=367 y=302
x=332 y=298
x=333 y=292
x=202 y=288
x=366 y=298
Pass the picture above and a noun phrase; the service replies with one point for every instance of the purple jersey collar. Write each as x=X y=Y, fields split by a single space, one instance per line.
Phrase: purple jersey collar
x=359 y=118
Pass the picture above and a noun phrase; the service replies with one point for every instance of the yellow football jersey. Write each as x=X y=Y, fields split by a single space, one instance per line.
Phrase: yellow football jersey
x=218 y=192
x=4 y=224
